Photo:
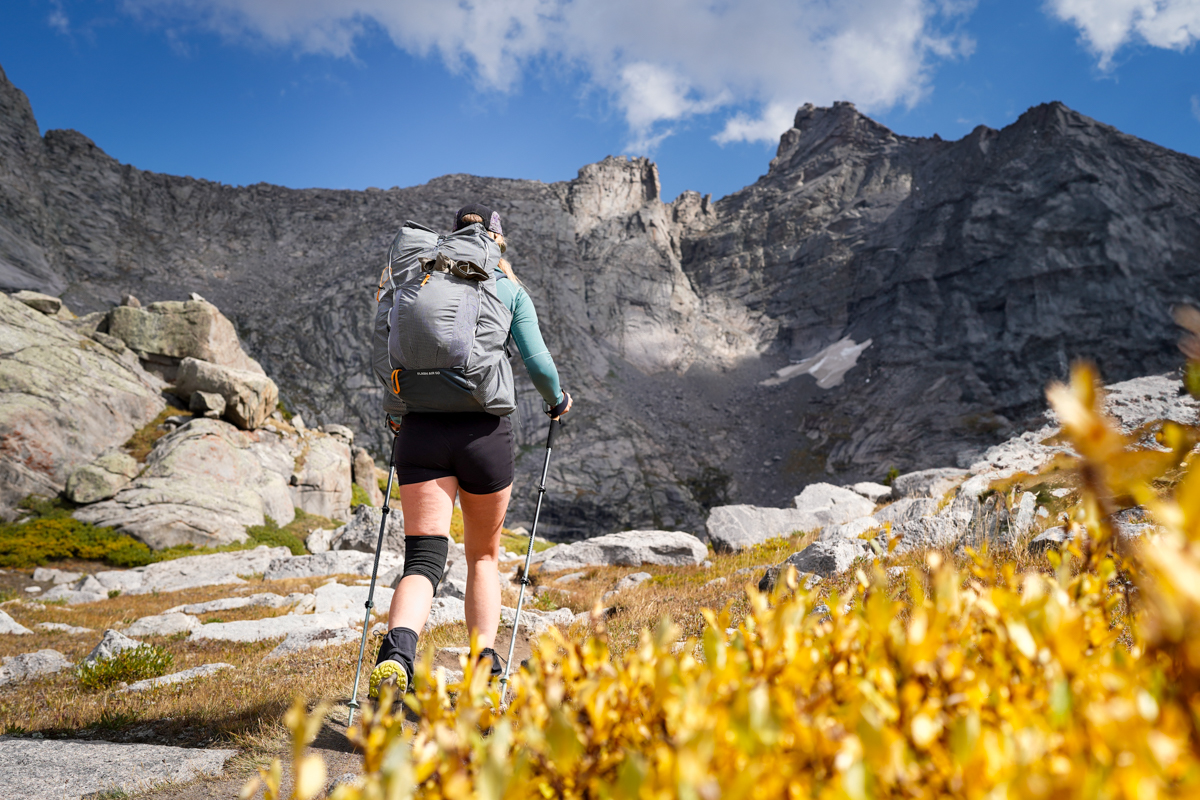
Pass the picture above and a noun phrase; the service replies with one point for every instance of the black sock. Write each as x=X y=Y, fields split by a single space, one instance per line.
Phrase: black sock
x=497 y=669
x=400 y=645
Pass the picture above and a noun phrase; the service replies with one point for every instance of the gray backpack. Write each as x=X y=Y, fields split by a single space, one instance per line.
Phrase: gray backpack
x=440 y=328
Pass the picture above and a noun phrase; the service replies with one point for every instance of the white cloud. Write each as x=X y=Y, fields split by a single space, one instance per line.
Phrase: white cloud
x=58 y=19
x=1107 y=25
x=661 y=61
x=1196 y=106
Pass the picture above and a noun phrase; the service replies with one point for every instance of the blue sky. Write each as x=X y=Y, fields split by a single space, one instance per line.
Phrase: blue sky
x=357 y=93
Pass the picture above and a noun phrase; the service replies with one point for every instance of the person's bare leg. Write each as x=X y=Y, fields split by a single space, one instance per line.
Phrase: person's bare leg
x=427 y=508
x=483 y=516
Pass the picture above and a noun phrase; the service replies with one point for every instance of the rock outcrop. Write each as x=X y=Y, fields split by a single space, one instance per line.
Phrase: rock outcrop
x=64 y=400
x=203 y=485
x=950 y=280
x=165 y=333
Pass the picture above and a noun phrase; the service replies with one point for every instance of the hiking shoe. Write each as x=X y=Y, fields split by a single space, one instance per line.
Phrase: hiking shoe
x=388 y=673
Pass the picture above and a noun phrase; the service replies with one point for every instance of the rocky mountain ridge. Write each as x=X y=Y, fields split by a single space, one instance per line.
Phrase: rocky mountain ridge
x=951 y=279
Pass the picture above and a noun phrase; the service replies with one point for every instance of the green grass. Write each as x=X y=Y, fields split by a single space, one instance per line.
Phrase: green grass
x=51 y=534
x=136 y=664
x=142 y=442
x=359 y=496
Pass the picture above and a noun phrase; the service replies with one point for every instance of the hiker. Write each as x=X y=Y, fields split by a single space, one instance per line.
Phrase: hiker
x=449 y=408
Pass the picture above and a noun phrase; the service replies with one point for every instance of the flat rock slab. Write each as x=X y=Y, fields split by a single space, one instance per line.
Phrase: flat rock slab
x=62 y=627
x=216 y=569
x=928 y=482
x=202 y=671
x=31 y=665
x=54 y=769
x=336 y=597
x=163 y=625
x=267 y=599
x=341 y=562
x=308 y=639
x=628 y=548
x=256 y=630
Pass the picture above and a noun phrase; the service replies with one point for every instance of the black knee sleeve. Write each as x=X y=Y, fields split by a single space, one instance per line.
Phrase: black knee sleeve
x=426 y=556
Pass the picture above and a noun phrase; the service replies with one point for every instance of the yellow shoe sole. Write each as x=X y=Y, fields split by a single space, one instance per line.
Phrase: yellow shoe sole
x=388 y=673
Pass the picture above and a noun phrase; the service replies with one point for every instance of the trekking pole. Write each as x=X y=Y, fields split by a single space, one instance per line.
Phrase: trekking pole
x=370 y=604
x=512 y=644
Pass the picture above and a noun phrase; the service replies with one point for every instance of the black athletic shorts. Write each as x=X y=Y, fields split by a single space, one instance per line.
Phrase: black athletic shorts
x=475 y=447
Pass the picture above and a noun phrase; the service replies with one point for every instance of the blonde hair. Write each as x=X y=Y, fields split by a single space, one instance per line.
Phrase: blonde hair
x=504 y=266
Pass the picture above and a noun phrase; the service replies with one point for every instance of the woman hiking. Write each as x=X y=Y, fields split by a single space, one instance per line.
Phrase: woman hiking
x=452 y=436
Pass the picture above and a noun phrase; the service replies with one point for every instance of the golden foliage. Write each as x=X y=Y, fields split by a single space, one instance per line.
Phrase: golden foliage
x=979 y=682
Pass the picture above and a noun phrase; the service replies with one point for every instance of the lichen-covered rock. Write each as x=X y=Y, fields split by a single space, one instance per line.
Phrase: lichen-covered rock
x=321 y=481
x=102 y=478
x=167 y=624
x=836 y=503
x=64 y=400
x=203 y=485
x=179 y=330
x=250 y=397
x=207 y=404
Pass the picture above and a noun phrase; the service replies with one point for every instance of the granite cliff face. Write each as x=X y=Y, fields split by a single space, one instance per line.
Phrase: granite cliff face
x=976 y=270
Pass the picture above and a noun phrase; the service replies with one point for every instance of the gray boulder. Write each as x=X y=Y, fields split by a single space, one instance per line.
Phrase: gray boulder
x=14 y=669
x=207 y=404
x=102 y=478
x=174 y=331
x=203 y=484
x=736 y=527
x=44 y=303
x=1025 y=517
x=87 y=589
x=321 y=481
x=11 y=626
x=361 y=533
x=53 y=769
x=342 y=432
x=838 y=504
x=163 y=625
x=307 y=639
x=628 y=582
x=64 y=399
x=1050 y=539
x=112 y=643
x=627 y=548
x=250 y=397
x=202 y=671
x=853 y=529
x=364 y=472
x=928 y=483
x=822 y=559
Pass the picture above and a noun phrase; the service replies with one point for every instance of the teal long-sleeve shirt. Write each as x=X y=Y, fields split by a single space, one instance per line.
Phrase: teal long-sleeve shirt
x=528 y=338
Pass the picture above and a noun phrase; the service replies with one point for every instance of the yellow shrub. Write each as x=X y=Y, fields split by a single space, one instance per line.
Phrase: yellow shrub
x=975 y=683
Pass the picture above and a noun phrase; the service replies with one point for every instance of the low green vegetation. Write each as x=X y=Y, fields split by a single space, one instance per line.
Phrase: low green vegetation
x=127 y=666
x=359 y=496
x=142 y=442
x=51 y=534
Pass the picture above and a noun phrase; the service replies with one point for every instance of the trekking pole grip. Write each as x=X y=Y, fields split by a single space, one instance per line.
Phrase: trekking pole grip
x=554 y=426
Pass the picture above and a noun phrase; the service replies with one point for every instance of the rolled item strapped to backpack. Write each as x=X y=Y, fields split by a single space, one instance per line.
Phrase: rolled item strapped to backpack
x=440 y=327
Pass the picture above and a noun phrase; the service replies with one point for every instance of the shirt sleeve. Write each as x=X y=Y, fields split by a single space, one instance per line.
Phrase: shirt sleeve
x=528 y=337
